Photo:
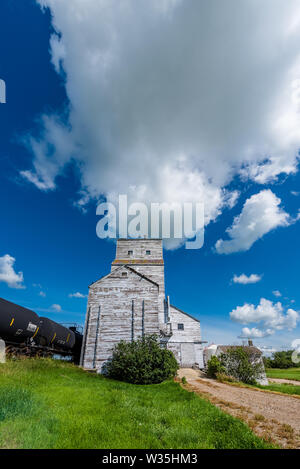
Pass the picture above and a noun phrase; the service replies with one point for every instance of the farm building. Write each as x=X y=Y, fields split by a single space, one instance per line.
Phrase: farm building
x=255 y=356
x=130 y=302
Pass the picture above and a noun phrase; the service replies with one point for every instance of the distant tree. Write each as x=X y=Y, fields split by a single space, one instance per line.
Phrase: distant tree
x=142 y=361
x=281 y=359
x=267 y=362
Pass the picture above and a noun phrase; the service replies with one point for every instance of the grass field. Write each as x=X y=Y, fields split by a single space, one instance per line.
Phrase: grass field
x=289 y=373
x=51 y=404
x=285 y=388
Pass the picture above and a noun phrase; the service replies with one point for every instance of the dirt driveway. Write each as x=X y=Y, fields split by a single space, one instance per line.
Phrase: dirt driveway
x=272 y=416
x=284 y=381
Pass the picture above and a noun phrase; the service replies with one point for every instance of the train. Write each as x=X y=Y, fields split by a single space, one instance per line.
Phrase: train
x=25 y=333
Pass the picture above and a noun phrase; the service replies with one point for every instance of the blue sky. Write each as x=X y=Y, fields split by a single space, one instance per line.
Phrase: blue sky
x=53 y=238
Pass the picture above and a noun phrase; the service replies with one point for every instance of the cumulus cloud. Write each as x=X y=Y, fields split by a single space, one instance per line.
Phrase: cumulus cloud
x=56 y=308
x=245 y=280
x=169 y=100
x=270 y=315
x=255 y=333
x=77 y=295
x=43 y=294
x=8 y=274
x=277 y=293
x=261 y=213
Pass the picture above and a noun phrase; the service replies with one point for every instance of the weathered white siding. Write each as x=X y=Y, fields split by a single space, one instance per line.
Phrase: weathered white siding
x=151 y=265
x=139 y=248
x=191 y=332
x=186 y=343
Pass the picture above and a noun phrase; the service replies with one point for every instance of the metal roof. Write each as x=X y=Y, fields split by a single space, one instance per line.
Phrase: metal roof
x=248 y=348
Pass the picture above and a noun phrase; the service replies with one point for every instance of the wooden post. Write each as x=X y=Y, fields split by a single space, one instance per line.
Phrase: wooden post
x=143 y=318
x=96 y=339
x=132 y=321
x=85 y=337
x=2 y=351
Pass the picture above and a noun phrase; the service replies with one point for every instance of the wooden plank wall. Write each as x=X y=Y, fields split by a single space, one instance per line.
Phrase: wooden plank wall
x=115 y=294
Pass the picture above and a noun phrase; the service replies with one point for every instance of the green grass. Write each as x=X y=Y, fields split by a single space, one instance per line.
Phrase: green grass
x=289 y=373
x=284 y=388
x=52 y=404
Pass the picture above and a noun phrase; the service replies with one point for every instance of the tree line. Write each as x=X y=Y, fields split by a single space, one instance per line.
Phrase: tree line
x=281 y=359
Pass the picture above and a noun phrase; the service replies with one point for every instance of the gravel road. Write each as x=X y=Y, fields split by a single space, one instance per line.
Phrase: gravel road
x=274 y=416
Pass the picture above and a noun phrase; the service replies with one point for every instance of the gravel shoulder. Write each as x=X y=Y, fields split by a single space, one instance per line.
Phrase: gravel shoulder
x=272 y=416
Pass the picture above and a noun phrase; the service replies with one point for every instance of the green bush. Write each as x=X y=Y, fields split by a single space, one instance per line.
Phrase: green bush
x=142 y=361
x=214 y=367
x=242 y=364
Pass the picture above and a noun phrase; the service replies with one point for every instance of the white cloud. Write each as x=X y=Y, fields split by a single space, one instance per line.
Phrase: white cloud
x=255 y=333
x=170 y=100
x=277 y=293
x=270 y=314
x=8 y=274
x=261 y=213
x=56 y=308
x=43 y=294
x=77 y=295
x=292 y=319
x=52 y=152
x=296 y=194
x=245 y=280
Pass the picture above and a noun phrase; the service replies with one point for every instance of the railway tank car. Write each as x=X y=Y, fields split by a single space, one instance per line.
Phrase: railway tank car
x=25 y=333
x=17 y=323
x=52 y=334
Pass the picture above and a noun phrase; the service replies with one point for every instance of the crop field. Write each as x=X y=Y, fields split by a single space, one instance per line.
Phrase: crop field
x=52 y=404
